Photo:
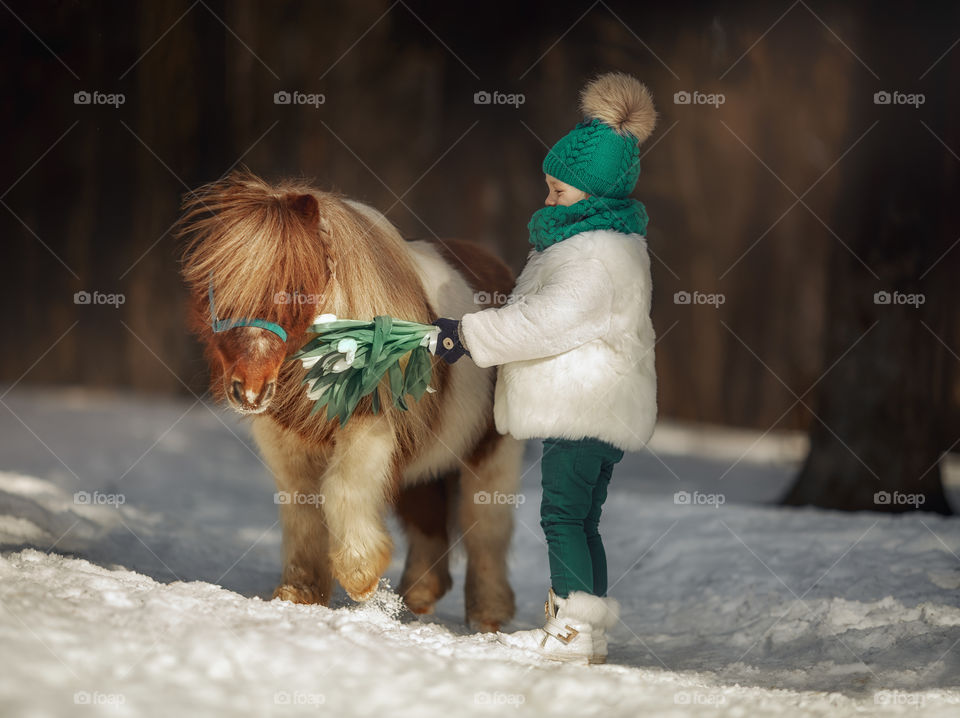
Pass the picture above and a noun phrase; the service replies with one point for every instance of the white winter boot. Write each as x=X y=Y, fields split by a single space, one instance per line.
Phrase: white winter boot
x=575 y=629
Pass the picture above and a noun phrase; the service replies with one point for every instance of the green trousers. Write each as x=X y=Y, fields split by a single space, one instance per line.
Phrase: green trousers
x=576 y=473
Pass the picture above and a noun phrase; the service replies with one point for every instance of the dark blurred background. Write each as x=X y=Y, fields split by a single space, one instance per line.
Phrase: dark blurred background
x=795 y=197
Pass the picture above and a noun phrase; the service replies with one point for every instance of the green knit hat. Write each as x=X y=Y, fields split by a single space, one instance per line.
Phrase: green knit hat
x=601 y=155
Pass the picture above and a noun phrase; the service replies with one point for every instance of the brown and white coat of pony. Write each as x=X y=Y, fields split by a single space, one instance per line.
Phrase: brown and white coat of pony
x=286 y=253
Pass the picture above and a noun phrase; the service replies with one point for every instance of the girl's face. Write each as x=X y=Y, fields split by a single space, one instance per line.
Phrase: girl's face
x=561 y=193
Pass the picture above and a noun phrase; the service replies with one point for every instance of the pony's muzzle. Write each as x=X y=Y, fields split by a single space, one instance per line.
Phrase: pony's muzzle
x=248 y=398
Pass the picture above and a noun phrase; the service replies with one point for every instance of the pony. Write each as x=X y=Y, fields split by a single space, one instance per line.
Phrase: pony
x=261 y=261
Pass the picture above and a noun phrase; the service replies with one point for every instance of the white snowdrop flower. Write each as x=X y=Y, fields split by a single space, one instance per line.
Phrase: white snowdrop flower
x=340 y=365
x=308 y=362
x=431 y=390
x=325 y=319
x=314 y=394
x=430 y=340
x=348 y=347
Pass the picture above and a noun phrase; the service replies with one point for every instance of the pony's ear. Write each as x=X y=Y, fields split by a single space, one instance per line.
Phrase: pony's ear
x=306 y=206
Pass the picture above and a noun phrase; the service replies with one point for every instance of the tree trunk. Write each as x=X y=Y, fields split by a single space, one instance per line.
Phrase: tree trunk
x=882 y=412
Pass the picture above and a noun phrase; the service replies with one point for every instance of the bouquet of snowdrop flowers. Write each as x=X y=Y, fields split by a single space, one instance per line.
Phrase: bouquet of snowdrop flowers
x=348 y=358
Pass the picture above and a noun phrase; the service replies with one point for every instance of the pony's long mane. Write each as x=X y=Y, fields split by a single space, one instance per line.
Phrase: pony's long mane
x=247 y=240
x=254 y=240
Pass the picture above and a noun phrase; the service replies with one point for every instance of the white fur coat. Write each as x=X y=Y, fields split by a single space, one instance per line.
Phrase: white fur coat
x=575 y=343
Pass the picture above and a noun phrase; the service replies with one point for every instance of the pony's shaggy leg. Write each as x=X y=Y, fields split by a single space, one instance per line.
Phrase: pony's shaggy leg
x=356 y=488
x=423 y=511
x=488 y=483
x=306 y=565
x=297 y=472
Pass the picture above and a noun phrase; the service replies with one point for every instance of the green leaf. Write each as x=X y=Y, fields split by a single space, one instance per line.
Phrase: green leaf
x=338 y=325
x=409 y=375
x=309 y=349
x=335 y=402
x=418 y=372
x=325 y=380
x=396 y=386
x=351 y=397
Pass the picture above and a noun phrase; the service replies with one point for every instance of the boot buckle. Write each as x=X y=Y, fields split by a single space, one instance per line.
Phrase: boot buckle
x=562 y=632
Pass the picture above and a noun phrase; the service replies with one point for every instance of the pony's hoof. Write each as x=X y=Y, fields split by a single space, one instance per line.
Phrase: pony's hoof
x=364 y=594
x=298 y=594
x=485 y=626
x=492 y=612
x=361 y=582
x=422 y=597
x=421 y=603
x=360 y=575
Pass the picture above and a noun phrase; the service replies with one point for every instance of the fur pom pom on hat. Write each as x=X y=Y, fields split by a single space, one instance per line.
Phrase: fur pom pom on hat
x=622 y=102
x=601 y=155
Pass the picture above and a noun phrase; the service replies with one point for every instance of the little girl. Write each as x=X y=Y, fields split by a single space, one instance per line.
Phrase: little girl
x=575 y=349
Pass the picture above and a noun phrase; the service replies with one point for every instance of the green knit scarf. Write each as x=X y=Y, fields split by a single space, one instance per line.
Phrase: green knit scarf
x=554 y=224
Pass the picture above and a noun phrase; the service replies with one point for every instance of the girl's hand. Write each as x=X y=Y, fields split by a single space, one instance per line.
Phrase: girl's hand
x=449 y=346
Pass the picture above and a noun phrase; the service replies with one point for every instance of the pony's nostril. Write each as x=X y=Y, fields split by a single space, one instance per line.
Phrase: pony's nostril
x=238 y=391
x=268 y=391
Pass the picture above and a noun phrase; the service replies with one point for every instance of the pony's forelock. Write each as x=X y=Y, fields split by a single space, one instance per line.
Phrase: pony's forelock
x=254 y=242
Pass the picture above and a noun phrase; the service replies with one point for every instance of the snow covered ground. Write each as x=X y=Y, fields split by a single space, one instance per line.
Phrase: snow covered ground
x=151 y=599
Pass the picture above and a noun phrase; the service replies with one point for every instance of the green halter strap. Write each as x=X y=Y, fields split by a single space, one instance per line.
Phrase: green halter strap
x=222 y=325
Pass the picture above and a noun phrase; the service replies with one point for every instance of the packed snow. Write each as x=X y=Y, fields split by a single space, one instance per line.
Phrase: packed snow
x=140 y=546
